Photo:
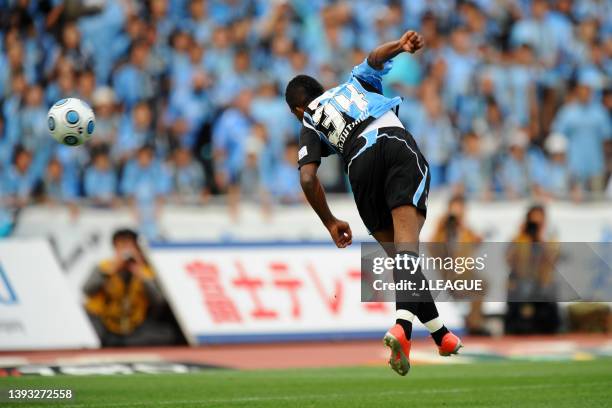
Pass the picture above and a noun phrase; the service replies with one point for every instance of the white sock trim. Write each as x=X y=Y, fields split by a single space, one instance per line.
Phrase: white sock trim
x=434 y=324
x=404 y=315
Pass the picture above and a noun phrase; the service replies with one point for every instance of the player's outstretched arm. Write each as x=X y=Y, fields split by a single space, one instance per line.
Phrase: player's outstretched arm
x=411 y=42
x=339 y=230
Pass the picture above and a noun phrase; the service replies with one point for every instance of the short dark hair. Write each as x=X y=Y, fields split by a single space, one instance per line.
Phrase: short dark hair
x=457 y=199
x=18 y=151
x=301 y=90
x=125 y=233
x=534 y=209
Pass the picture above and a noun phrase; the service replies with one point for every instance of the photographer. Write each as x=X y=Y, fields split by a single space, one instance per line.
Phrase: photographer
x=453 y=238
x=452 y=227
x=531 y=284
x=123 y=300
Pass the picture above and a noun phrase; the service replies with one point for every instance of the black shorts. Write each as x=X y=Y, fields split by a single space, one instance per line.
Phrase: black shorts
x=389 y=174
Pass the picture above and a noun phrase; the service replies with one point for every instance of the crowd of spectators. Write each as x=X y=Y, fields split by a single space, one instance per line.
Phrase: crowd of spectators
x=509 y=99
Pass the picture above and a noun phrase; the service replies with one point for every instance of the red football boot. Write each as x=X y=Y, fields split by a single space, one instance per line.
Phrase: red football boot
x=450 y=345
x=396 y=340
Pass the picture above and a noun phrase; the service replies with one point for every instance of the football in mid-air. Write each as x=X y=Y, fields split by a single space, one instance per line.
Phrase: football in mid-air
x=71 y=121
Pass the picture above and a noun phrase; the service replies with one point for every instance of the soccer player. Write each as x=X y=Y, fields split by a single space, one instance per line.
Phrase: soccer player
x=388 y=174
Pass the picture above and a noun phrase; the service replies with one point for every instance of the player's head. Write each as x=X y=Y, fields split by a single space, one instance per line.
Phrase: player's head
x=300 y=91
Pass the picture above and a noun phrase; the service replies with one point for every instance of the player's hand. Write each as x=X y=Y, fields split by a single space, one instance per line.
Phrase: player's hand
x=341 y=233
x=411 y=42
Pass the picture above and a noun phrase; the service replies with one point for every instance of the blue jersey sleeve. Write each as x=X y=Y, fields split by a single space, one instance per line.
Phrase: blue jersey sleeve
x=365 y=73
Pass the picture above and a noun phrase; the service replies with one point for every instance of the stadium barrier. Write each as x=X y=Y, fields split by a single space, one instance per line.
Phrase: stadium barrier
x=38 y=309
x=271 y=291
x=79 y=243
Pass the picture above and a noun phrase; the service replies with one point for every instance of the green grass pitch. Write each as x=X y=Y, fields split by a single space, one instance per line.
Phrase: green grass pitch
x=487 y=384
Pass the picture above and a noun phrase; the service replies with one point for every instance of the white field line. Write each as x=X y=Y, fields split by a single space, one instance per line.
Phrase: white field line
x=110 y=358
x=291 y=398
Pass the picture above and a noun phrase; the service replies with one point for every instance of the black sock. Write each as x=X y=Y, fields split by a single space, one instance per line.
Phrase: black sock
x=406 y=325
x=411 y=307
x=438 y=334
x=427 y=310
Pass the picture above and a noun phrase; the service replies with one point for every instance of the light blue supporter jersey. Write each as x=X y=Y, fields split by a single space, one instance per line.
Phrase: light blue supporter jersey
x=333 y=121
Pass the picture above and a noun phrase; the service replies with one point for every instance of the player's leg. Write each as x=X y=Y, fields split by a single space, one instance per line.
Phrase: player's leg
x=404 y=311
x=406 y=182
x=407 y=224
x=365 y=174
x=406 y=186
x=397 y=337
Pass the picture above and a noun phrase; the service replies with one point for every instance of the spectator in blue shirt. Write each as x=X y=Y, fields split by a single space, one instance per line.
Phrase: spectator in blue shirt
x=461 y=62
x=162 y=21
x=493 y=129
x=436 y=138
x=72 y=51
x=58 y=186
x=107 y=119
x=268 y=108
x=11 y=106
x=34 y=134
x=519 y=85
x=411 y=113
x=198 y=22
x=554 y=179
x=133 y=30
x=185 y=64
x=586 y=124
x=101 y=32
x=179 y=58
x=133 y=82
x=287 y=62
x=145 y=183
x=188 y=180
x=252 y=179
x=87 y=86
x=144 y=178
x=286 y=187
x=514 y=173
x=135 y=131
x=239 y=77
x=228 y=139
x=19 y=180
x=100 y=180
x=469 y=173
x=538 y=33
x=220 y=55
x=63 y=83
x=191 y=96
x=6 y=147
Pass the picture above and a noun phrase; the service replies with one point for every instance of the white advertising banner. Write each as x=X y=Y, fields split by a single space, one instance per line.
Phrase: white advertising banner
x=268 y=292
x=38 y=309
x=80 y=243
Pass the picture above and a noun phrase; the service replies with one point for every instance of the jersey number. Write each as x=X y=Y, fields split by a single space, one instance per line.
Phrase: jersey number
x=333 y=117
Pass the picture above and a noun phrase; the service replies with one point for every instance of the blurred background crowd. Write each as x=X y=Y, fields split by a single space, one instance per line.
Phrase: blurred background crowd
x=510 y=98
